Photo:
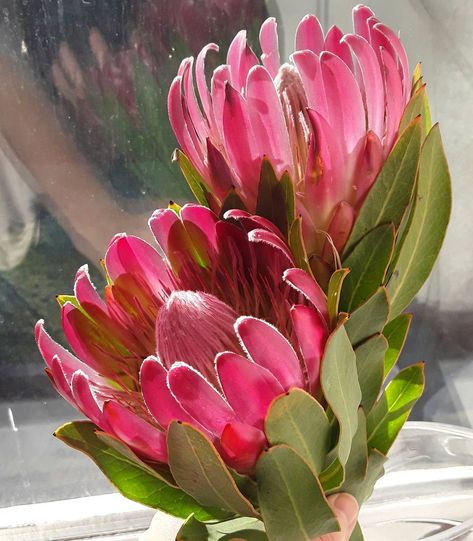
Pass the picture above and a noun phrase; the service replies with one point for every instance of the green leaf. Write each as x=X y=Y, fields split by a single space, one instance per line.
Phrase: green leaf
x=391 y=411
x=332 y=477
x=357 y=534
x=357 y=464
x=390 y=195
x=363 y=490
x=296 y=243
x=133 y=478
x=370 y=318
x=232 y=201
x=428 y=226
x=370 y=365
x=339 y=380
x=333 y=294
x=368 y=263
x=194 y=180
x=293 y=504
x=198 y=470
x=418 y=105
x=275 y=200
x=396 y=333
x=246 y=529
x=299 y=421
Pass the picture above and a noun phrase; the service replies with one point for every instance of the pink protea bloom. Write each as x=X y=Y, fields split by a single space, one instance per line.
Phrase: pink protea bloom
x=182 y=337
x=329 y=117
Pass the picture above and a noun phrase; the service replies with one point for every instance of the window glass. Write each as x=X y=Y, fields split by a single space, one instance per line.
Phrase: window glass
x=85 y=152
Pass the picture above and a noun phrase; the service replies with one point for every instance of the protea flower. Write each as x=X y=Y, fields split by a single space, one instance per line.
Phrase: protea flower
x=169 y=340
x=329 y=117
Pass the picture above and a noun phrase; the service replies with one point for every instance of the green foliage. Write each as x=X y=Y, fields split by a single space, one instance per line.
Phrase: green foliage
x=132 y=477
x=247 y=529
x=296 y=243
x=293 y=503
x=334 y=293
x=199 y=470
x=194 y=180
x=424 y=237
x=299 y=421
x=357 y=463
x=370 y=366
x=396 y=333
x=393 y=408
x=370 y=318
x=368 y=263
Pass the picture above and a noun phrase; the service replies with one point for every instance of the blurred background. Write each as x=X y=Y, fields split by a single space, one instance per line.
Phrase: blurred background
x=85 y=150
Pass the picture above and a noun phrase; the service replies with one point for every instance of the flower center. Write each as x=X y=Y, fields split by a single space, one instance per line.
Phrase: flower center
x=192 y=327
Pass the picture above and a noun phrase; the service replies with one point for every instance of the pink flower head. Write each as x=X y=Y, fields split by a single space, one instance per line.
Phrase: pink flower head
x=329 y=117
x=182 y=337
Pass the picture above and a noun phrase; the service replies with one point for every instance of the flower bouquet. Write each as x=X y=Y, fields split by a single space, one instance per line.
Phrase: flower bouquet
x=236 y=376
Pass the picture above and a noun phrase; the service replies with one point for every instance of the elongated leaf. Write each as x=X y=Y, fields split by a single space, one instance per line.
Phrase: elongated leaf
x=393 y=188
x=396 y=334
x=275 y=198
x=427 y=229
x=339 y=380
x=370 y=318
x=232 y=201
x=132 y=477
x=334 y=293
x=293 y=504
x=375 y=470
x=368 y=263
x=299 y=421
x=357 y=464
x=357 y=534
x=194 y=180
x=418 y=105
x=332 y=477
x=296 y=244
x=199 y=471
x=370 y=366
x=246 y=529
x=391 y=411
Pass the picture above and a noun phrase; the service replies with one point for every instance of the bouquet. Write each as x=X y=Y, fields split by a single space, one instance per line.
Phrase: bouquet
x=242 y=375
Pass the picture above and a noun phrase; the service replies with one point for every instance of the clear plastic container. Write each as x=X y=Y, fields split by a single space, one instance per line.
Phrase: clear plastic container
x=427 y=492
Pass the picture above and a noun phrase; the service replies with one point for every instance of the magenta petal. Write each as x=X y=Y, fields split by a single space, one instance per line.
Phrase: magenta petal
x=202 y=87
x=85 y=292
x=161 y=404
x=394 y=99
x=220 y=78
x=308 y=66
x=251 y=221
x=268 y=38
x=248 y=387
x=199 y=398
x=272 y=240
x=160 y=224
x=340 y=226
x=241 y=59
x=202 y=218
x=198 y=122
x=142 y=437
x=86 y=401
x=74 y=339
x=305 y=284
x=59 y=379
x=335 y=45
x=361 y=14
x=309 y=35
x=267 y=347
x=241 y=446
x=311 y=331
x=267 y=119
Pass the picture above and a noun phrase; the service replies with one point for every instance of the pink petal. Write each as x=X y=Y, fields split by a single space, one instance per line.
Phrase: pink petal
x=182 y=130
x=311 y=331
x=86 y=401
x=267 y=119
x=201 y=80
x=309 y=35
x=335 y=45
x=251 y=221
x=160 y=223
x=267 y=347
x=346 y=113
x=394 y=99
x=372 y=161
x=222 y=179
x=199 y=398
x=305 y=284
x=157 y=396
x=241 y=446
x=142 y=437
x=219 y=81
x=198 y=122
x=202 y=218
x=361 y=14
x=272 y=240
x=85 y=291
x=59 y=379
x=370 y=79
x=240 y=143
x=241 y=59
x=340 y=226
x=248 y=387
x=308 y=66
x=268 y=38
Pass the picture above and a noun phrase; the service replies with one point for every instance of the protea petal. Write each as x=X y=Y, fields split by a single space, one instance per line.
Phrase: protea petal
x=305 y=284
x=268 y=38
x=267 y=347
x=85 y=291
x=242 y=444
x=86 y=401
x=309 y=35
x=200 y=399
x=248 y=387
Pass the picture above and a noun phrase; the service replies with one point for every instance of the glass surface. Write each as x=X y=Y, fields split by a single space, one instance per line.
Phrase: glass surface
x=79 y=161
